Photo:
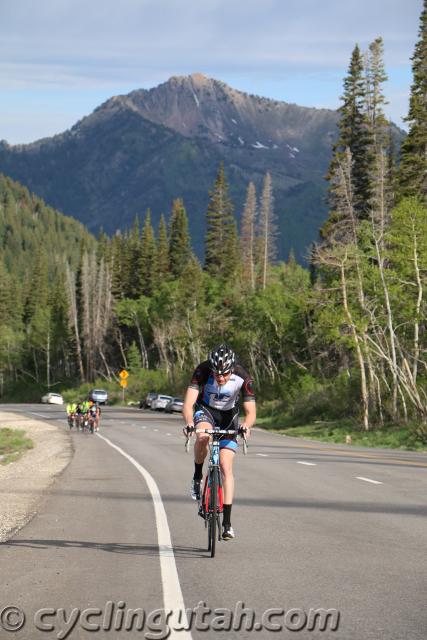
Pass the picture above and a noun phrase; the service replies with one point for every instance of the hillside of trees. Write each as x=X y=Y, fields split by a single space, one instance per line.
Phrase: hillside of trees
x=346 y=337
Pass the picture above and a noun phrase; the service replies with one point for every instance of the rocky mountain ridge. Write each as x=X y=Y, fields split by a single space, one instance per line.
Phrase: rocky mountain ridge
x=143 y=149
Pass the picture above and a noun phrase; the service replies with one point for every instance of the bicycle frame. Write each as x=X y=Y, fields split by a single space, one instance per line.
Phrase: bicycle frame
x=211 y=502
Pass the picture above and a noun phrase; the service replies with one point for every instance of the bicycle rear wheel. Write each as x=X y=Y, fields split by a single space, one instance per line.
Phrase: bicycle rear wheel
x=213 y=516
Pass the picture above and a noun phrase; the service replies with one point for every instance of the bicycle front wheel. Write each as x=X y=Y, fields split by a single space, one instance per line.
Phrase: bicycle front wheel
x=213 y=507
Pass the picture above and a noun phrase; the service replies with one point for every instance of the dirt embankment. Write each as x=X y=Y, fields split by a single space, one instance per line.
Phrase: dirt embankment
x=24 y=483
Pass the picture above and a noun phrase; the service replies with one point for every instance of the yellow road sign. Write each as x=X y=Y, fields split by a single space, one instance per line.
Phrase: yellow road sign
x=123 y=374
x=123 y=383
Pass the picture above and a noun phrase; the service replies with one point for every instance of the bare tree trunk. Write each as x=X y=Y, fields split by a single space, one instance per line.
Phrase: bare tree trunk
x=36 y=367
x=48 y=359
x=160 y=338
x=87 y=286
x=73 y=317
x=364 y=390
x=107 y=368
x=119 y=339
x=143 y=348
x=380 y=261
x=247 y=235
x=417 y=312
x=267 y=229
x=345 y=172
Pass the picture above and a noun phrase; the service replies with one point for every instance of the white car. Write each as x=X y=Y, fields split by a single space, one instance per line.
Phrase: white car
x=159 y=402
x=52 y=398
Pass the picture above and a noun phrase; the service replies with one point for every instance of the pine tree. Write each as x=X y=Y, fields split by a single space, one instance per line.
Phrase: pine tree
x=392 y=171
x=6 y=297
x=221 y=232
x=103 y=246
x=132 y=257
x=375 y=76
x=148 y=257
x=162 y=250
x=248 y=237
x=356 y=135
x=118 y=266
x=179 y=239
x=413 y=164
x=134 y=357
x=39 y=283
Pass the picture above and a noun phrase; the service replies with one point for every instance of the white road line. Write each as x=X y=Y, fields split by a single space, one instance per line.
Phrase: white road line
x=262 y=455
x=155 y=429
x=368 y=480
x=309 y=464
x=168 y=434
x=172 y=594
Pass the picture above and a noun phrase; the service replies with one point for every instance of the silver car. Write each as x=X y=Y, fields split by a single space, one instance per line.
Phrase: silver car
x=52 y=398
x=98 y=395
x=175 y=404
x=145 y=403
x=159 y=402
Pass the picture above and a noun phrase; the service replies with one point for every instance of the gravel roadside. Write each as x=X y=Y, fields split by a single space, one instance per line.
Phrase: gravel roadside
x=23 y=484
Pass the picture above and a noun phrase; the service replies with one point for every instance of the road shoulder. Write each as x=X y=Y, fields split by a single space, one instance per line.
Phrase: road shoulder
x=24 y=483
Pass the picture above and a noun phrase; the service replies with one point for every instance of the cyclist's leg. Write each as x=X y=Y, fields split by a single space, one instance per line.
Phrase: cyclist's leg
x=201 y=446
x=201 y=449
x=202 y=420
x=226 y=458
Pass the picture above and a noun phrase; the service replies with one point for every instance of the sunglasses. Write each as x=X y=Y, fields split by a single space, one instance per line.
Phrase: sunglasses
x=222 y=375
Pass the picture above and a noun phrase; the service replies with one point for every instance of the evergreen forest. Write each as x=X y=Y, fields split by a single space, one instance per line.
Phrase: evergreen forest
x=344 y=339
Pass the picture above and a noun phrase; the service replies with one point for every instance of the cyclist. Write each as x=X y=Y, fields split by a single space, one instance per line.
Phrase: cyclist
x=213 y=394
x=71 y=411
x=79 y=414
x=82 y=412
x=94 y=414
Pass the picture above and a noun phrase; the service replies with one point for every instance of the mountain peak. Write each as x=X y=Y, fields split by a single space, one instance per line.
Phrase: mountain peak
x=197 y=106
x=196 y=78
x=199 y=78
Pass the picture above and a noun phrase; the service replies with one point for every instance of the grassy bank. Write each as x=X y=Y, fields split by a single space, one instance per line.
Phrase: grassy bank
x=13 y=444
x=390 y=437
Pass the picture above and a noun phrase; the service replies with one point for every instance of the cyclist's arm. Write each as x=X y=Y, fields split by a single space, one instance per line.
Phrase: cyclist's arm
x=189 y=400
x=249 y=409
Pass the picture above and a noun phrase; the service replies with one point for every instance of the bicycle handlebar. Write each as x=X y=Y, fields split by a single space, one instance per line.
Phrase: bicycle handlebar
x=220 y=431
x=239 y=431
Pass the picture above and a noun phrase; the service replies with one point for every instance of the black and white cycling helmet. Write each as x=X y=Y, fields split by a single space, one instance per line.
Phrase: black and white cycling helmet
x=222 y=359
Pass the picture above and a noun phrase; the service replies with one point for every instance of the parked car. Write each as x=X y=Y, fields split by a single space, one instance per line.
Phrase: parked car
x=159 y=402
x=98 y=395
x=175 y=404
x=52 y=398
x=146 y=401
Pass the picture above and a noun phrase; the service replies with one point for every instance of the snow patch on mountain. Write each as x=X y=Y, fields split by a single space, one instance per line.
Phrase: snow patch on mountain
x=258 y=145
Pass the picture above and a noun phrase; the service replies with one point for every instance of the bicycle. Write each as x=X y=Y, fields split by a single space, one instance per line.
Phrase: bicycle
x=210 y=505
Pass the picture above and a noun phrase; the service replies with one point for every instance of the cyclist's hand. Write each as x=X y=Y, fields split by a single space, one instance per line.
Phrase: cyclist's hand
x=245 y=431
x=188 y=430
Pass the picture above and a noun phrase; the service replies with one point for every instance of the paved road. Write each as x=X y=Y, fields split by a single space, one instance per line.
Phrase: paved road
x=317 y=526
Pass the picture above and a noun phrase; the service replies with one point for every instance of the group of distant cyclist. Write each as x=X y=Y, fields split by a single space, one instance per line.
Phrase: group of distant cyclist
x=84 y=416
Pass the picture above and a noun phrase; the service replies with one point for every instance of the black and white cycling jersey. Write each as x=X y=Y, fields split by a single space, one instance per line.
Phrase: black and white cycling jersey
x=222 y=397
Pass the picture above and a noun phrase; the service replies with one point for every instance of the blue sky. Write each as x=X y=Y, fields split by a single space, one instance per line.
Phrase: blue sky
x=60 y=59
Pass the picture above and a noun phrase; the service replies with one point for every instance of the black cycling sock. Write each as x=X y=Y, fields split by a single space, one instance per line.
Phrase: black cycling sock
x=226 y=518
x=198 y=471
